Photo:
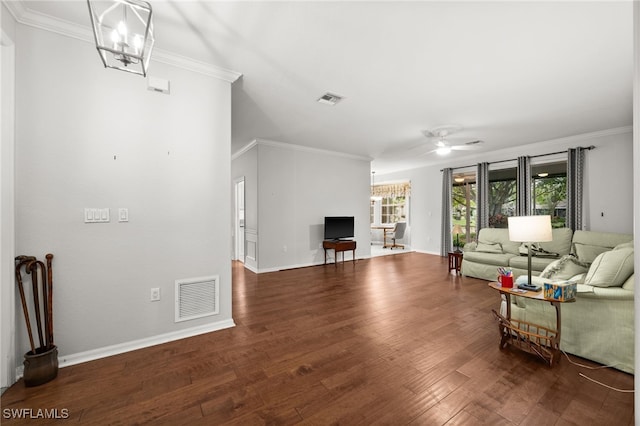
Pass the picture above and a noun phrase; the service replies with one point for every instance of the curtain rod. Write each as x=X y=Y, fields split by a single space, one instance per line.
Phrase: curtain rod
x=514 y=159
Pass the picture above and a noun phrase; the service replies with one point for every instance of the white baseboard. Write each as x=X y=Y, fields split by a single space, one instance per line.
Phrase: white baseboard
x=251 y=268
x=305 y=265
x=428 y=252
x=78 y=358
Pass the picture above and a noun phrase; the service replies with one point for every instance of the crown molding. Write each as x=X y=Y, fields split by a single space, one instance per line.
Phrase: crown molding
x=290 y=146
x=244 y=149
x=170 y=58
x=533 y=148
x=24 y=15
x=283 y=145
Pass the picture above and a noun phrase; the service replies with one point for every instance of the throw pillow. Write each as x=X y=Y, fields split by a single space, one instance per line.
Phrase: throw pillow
x=588 y=253
x=579 y=279
x=489 y=247
x=564 y=268
x=611 y=268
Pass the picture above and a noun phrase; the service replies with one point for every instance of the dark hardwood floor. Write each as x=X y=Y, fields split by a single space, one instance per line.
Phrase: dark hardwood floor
x=390 y=340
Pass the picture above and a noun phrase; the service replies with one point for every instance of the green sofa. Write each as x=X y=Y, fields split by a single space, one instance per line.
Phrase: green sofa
x=493 y=250
x=599 y=325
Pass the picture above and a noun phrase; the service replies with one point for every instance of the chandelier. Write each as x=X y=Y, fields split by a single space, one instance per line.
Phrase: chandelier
x=123 y=33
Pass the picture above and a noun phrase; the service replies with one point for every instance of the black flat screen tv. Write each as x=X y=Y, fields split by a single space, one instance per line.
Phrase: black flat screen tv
x=338 y=227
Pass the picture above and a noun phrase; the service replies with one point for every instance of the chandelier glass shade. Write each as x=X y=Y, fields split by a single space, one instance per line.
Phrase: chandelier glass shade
x=123 y=31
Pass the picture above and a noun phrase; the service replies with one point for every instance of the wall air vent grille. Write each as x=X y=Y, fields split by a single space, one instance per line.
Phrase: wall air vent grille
x=197 y=298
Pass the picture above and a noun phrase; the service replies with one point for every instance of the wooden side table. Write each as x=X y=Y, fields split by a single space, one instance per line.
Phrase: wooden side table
x=532 y=338
x=455 y=261
x=339 y=246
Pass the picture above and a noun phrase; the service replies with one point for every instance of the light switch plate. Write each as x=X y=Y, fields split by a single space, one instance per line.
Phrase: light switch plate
x=94 y=215
x=123 y=215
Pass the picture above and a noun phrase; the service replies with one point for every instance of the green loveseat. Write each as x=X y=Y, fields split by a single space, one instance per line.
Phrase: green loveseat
x=599 y=325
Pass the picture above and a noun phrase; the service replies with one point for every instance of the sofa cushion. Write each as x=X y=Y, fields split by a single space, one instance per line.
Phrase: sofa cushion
x=498 y=235
x=603 y=239
x=564 y=268
x=588 y=253
x=587 y=245
x=611 y=268
x=537 y=263
x=624 y=245
x=489 y=247
x=561 y=243
x=497 y=259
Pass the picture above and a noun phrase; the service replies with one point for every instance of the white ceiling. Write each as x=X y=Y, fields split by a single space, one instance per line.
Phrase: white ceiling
x=512 y=73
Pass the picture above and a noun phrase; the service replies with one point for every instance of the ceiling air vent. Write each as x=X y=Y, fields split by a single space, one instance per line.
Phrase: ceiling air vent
x=329 y=99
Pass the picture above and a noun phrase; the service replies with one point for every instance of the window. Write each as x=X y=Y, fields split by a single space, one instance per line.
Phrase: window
x=393 y=210
x=463 y=200
x=389 y=203
x=549 y=192
x=502 y=196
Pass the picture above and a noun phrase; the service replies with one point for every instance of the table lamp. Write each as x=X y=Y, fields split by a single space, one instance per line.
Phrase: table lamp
x=530 y=229
x=457 y=230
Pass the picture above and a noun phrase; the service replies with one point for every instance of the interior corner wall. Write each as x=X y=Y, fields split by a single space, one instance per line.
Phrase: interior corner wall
x=609 y=165
x=90 y=137
x=296 y=189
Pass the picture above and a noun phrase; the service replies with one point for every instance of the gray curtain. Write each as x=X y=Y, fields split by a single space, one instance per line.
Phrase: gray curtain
x=445 y=238
x=523 y=183
x=575 y=172
x=482 y=197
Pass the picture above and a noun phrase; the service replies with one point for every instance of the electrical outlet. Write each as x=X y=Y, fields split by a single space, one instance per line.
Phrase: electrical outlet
x=155 y=294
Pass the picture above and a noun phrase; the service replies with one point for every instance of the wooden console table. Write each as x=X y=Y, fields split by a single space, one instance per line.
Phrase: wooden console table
x=526 y=336
x=339 y=246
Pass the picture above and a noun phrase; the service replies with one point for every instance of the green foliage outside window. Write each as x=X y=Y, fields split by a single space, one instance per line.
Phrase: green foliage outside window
x=549 y=195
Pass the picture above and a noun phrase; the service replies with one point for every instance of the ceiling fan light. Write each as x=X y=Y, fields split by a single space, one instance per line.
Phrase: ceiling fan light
x=443 y=150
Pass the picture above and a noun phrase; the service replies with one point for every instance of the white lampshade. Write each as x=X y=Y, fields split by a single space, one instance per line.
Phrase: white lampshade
x=530 y=229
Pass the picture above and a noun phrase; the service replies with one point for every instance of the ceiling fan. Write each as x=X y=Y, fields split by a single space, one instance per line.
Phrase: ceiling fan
x=444 y=147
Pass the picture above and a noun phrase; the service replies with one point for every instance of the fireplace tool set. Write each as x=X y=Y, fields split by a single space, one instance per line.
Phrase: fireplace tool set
x=40 y=363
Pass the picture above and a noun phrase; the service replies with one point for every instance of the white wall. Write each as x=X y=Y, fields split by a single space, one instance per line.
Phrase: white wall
x=608 y=185
x=297 y=188
x=87 y=136
x=7 y=201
